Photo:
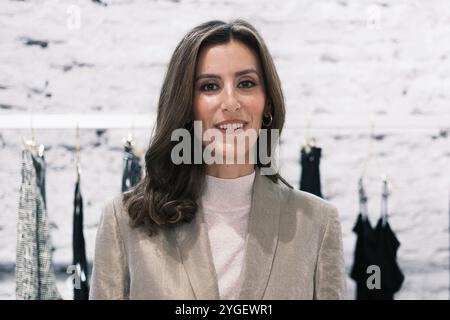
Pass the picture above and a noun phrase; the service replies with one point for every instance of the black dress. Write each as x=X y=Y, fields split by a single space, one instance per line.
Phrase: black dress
x=132 y=169
x=387 y=245
x=375 y=247
x=79 y=252
x=310 y=177
x=364 y=256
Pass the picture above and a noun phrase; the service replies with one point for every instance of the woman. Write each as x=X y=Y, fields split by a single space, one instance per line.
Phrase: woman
x=218 y=229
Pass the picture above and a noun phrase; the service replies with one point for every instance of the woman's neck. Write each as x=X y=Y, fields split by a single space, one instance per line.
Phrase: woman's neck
x=232 y=171
x=227 y=195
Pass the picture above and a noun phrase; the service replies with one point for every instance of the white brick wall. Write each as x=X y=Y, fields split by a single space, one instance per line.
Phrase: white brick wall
x=335 y=58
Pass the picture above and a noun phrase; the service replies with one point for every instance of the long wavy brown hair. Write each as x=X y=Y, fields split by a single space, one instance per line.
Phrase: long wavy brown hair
x=167 y=195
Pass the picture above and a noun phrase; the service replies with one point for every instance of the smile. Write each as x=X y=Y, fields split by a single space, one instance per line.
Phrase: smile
x=230 y=126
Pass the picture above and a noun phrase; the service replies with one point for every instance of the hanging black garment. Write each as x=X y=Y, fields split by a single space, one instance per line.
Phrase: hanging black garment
x=310 y=177
x=364 y=255
x=132 y=169
x=79 y=253
x=375 y=247
x=392 y=277
x=387 y=245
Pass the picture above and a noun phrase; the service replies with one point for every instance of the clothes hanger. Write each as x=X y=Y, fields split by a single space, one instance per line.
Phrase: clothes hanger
x=77 y=151
x=370 y=153
x=30 y=144
x=309 y=141
x=130 y=143
x=362 y=199
x=384 y=201
x=386 y=187
x=129 y=140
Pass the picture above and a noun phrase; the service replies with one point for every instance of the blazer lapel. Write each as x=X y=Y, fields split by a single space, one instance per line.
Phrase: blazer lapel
x=193 y=242
x=262 y=238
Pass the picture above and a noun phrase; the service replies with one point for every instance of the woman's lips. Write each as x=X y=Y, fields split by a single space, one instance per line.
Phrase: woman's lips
x=233 y=131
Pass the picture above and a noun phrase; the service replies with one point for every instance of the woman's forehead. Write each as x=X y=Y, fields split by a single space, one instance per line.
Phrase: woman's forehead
x=229 y=57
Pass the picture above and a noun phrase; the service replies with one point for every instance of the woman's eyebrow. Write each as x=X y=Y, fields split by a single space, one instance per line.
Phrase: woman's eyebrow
x=206 y=75
x=216 y=76
x=242 y=72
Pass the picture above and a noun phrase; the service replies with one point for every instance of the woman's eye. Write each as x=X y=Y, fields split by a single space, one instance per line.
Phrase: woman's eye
x=209 y=87
x=246 y=84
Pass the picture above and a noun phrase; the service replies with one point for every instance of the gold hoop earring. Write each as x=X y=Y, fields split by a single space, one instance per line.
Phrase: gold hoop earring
x=270 y=121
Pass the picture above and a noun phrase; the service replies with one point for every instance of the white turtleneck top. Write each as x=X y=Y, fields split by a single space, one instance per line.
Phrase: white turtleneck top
x=226 y=205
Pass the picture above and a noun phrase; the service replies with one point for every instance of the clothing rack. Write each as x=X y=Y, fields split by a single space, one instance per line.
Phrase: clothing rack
x=345 y=122
x=74 y=121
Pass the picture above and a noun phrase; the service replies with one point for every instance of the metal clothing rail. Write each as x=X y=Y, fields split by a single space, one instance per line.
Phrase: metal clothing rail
x=394 y=122
x=72 y=120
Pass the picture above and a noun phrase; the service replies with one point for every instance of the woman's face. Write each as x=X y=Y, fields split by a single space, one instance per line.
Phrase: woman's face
x=229 y=91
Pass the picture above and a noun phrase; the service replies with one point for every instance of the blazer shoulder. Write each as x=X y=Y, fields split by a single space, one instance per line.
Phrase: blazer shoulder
x=308 y=204
x=113 y=209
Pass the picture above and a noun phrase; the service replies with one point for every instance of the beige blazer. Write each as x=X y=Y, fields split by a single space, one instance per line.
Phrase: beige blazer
x=293 y=251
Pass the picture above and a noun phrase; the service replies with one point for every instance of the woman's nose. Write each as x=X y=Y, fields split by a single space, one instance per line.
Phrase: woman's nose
x=230 y=101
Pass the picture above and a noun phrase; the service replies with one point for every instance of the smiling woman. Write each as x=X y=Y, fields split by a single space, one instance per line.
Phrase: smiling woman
x=218 y=230
x=230 y=97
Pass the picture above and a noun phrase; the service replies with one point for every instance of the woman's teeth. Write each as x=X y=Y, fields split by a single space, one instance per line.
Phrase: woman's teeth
x=231 y=126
